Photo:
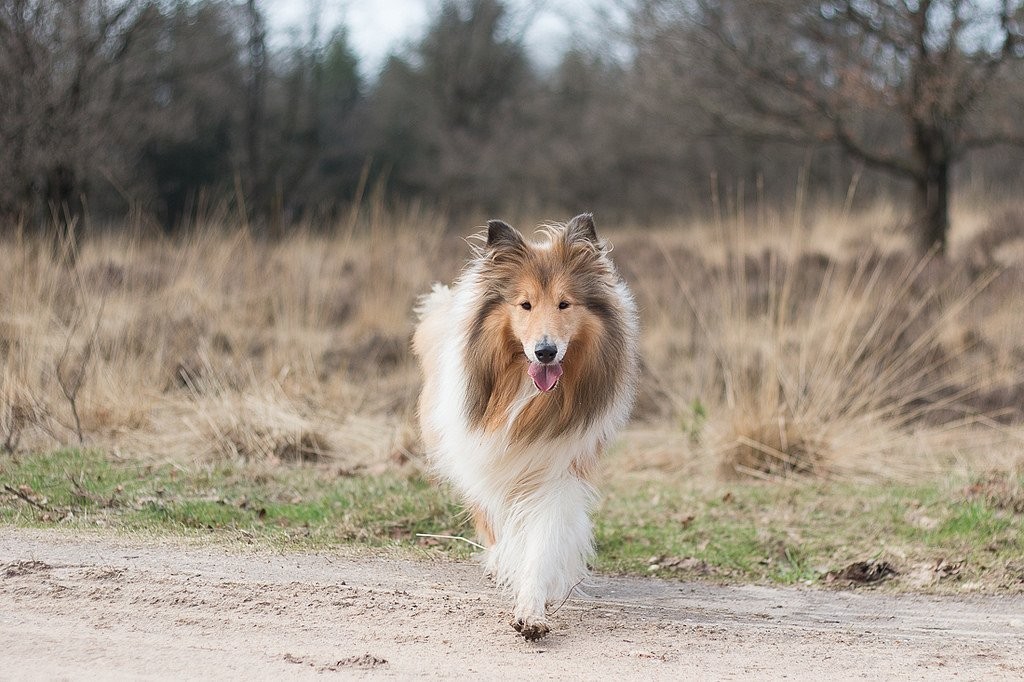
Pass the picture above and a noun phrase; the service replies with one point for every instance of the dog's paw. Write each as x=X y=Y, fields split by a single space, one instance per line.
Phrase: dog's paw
x=531 y=630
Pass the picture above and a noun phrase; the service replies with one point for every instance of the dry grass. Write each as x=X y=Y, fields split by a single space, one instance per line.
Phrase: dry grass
x=782 y=352
x=217 y=344
x=773 y=344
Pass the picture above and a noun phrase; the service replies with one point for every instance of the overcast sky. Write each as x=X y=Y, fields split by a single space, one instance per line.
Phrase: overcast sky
x=378 y=27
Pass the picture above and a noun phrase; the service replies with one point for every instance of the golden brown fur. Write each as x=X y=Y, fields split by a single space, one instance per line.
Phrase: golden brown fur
x=569 y=267
x=482 y=523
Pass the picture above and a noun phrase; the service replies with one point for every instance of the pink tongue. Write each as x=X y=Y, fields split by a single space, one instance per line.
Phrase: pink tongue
x=544 y=376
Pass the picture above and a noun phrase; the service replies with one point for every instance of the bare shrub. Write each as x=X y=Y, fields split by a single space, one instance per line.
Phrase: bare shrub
x=827 y=365
x=72 y=367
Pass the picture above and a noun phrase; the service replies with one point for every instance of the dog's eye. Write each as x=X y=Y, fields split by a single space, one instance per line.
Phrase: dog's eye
x=563 y=305
x=525 y=305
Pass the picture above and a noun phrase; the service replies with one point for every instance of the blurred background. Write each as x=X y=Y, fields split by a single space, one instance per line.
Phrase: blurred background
x=639 y=109
x=816 y=203
x=216 y=217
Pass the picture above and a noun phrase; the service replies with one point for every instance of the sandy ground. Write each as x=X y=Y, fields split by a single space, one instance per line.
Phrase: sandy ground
x=74 y=606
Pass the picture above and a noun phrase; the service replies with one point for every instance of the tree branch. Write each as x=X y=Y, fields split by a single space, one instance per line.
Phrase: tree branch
x=989 y=67
x=890 y=162
x=883 y=32
x=970 y=144
x=813 y=100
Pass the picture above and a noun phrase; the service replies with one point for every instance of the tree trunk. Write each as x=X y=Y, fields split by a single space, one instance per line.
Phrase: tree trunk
x=931 y=181
x=932 y=198
x=256 y=185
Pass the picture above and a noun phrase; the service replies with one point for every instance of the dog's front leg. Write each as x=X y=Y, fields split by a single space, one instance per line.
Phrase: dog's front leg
x=546 y=554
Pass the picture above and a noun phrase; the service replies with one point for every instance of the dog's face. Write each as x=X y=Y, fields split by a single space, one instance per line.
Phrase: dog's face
x=545 y=319
x=546 y=291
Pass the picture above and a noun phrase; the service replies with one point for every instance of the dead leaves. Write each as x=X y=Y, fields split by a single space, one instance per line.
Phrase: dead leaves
x=927 y=573
x=689 y=565
x=999 y=490
x=863 y=573
x=17 y=568
x=364 y=661
x=920 y=575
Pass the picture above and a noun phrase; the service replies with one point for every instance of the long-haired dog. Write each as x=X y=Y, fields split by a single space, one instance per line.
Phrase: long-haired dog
x=530 y=367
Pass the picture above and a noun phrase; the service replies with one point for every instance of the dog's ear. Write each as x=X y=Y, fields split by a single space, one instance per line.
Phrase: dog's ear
x=581 y=228
x=502 y=236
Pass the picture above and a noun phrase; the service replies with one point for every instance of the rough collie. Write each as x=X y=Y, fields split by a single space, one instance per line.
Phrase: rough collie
x=530 y=367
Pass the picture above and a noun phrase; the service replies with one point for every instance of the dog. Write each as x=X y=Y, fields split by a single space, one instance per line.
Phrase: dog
x=530 y=367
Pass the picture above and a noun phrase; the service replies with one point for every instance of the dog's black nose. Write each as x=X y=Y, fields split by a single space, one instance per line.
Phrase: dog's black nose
x=546 y=352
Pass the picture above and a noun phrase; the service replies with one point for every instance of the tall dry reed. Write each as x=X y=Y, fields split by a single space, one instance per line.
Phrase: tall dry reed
x=773 y=344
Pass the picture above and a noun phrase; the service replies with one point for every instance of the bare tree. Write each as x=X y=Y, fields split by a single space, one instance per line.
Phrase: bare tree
x=905 y=86
x=61 y=72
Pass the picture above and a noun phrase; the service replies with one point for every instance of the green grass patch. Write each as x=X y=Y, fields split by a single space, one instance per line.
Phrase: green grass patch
x=947 y=535
x=939 y=535
x=302 y=506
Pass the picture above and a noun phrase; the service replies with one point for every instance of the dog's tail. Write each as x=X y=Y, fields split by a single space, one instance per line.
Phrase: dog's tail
x=439 y=298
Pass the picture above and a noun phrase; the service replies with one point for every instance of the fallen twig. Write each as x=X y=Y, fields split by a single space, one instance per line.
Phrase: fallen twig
x=569 y=594
x=80 y=491
x=451 y=537
x=28 y=498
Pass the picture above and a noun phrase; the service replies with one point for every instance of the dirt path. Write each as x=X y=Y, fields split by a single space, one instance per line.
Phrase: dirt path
x=96 y=606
